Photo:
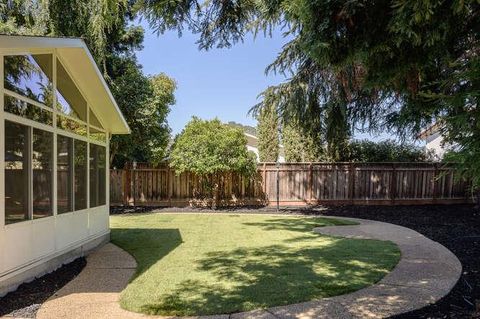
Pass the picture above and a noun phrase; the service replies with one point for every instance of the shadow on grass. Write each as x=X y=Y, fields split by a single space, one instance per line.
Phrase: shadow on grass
x=303 y=225
x=253 y=278
x=146 y=245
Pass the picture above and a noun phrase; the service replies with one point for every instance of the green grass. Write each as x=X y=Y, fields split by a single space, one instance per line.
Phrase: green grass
x=213 y=264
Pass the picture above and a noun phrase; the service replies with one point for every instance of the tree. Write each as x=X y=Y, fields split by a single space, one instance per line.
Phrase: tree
x=391 y=65
x=145 y=103
x=300 y=146
x=267 y=129
x=210 y=149
x=105 y=26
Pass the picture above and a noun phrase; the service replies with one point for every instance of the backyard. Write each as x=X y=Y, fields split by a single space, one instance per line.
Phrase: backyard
x=199 y=264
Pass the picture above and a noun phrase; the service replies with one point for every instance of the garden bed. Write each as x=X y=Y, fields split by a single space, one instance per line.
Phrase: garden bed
x=27 y=299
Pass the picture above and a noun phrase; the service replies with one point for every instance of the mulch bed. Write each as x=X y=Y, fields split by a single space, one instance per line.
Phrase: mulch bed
x=27 y=299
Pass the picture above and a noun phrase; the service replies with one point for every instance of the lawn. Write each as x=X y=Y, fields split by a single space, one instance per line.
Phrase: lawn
x=199 y=264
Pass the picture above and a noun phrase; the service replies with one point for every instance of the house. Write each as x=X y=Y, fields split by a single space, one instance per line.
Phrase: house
x=433 y=140
x=56 y=118
x=252 y=145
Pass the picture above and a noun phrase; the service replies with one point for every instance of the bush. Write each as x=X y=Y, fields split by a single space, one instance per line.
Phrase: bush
x=386 y=151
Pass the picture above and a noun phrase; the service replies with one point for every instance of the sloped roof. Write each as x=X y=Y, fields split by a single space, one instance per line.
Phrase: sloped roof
x=79 y=61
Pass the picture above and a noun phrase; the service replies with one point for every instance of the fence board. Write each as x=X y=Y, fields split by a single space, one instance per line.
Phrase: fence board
x=299 y=184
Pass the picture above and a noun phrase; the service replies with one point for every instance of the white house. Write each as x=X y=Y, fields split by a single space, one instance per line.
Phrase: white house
x=433 y=140
x=252 y=145
x=56 y=118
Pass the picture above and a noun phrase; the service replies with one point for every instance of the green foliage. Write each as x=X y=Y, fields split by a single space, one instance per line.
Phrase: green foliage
x=145 y=103
x=210 y=148
x=385 y=151
x=301 y=146
x=267 y=130
x=386 y=64
x=105 y=26
x=246 y=128
x=94 y=20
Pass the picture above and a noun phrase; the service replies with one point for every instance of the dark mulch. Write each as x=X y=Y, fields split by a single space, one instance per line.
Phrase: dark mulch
x=27 y=299
x=456 y=227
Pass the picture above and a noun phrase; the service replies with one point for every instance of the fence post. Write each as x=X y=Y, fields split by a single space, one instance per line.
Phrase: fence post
x=310 y=183
x=352 y=182
x=393 y=188
x=265 y=180
x=169 y=188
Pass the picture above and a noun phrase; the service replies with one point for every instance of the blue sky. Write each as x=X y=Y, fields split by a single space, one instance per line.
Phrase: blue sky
x=221 y=83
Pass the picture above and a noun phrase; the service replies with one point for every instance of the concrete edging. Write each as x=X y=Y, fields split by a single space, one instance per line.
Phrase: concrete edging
x=426 y=272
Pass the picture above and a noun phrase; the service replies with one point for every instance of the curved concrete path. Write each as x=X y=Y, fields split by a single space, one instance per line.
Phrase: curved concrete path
x=426 y=272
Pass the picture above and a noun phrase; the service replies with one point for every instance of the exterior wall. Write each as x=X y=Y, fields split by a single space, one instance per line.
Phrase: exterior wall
x=37 y=246
x=434 y=142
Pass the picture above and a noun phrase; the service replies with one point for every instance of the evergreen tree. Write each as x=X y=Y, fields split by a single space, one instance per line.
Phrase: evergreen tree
x=300 y=146
x=267 y=129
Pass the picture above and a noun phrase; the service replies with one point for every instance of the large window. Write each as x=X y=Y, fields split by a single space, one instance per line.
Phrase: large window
x=30 y=76
x=97 y=175
x=38 y=115
x=80 y=165
x=64 y=174
x=42 y=173
x=16 y=172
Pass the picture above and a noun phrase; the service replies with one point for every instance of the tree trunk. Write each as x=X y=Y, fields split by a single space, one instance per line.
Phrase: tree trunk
x=215 y=191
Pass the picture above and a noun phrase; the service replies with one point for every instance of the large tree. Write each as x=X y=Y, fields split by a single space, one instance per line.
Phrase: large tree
x=267 y=132
x=390 y=64
x=106 y=26
x=300 y=145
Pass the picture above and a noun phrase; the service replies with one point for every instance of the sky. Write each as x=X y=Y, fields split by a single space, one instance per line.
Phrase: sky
x=222 y=83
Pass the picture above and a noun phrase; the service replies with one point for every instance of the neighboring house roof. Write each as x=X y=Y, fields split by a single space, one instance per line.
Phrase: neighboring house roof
x=79 y=61
x=429 y=131
x=252 y=141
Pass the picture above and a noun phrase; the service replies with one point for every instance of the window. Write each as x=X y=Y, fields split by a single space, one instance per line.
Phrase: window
x=98 y=135
x=64 y=174
x=30 y=76
x=80 y=166
x=97 y=175
x=16 y=172
x=27 y=110
x=42 y=173
x=69 y=99
x=71 y=125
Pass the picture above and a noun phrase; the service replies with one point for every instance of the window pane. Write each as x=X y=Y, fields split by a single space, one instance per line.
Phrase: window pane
x=42 y=166
x=30 y=76
x=80 y=165
x=64 y=174
x=27 y=110
x=98 y=135
x=69 y=99
x=16 y=172
x=71 y=126
x=97 y=175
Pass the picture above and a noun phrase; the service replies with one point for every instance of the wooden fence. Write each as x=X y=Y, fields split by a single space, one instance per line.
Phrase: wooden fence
x=294 y=184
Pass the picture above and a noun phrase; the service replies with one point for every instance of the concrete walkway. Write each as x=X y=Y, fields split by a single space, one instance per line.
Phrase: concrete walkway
x=426 y=272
